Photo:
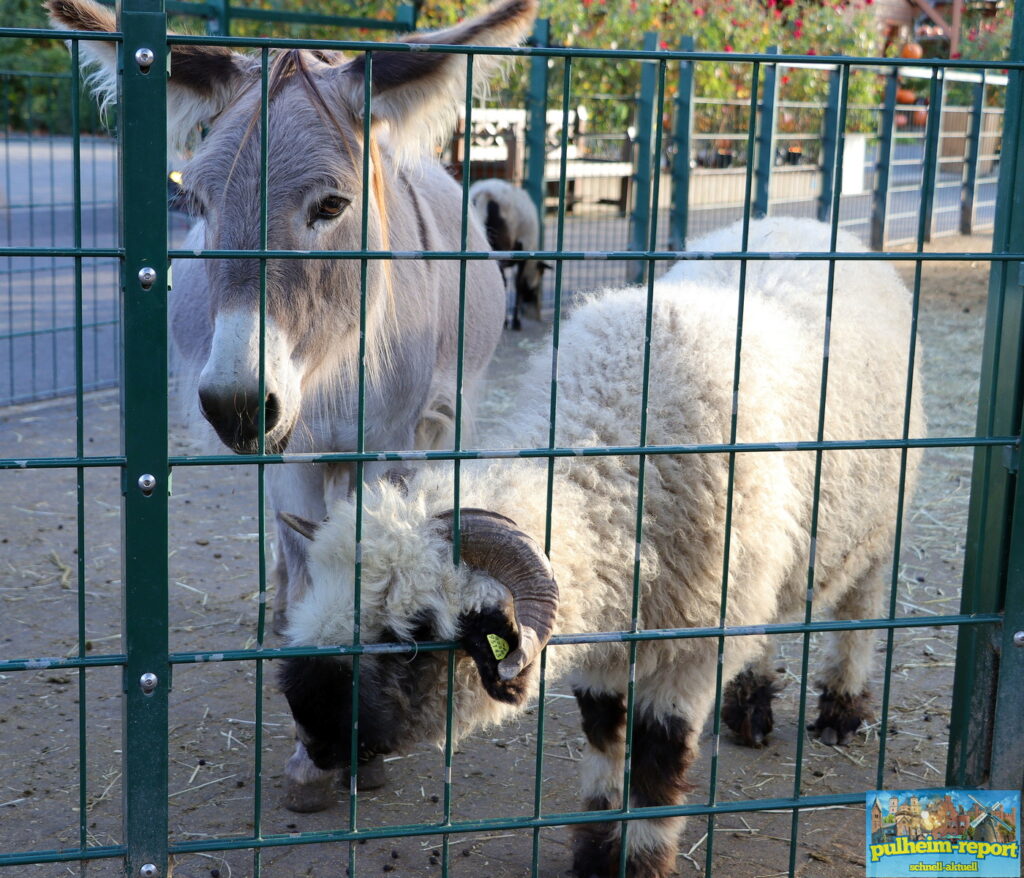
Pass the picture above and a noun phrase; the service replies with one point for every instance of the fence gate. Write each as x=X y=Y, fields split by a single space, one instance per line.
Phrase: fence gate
x=141 y=732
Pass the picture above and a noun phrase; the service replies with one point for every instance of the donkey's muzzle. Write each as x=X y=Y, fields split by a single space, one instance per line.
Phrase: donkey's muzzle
x=236 y=418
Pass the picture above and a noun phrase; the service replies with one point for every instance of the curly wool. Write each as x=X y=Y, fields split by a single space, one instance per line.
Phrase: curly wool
x=406 y=562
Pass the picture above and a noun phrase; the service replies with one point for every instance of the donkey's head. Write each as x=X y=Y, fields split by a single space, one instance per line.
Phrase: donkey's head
x=315 y=196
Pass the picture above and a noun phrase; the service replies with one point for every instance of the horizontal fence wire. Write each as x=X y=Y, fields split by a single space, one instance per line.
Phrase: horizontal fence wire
x=624 y=812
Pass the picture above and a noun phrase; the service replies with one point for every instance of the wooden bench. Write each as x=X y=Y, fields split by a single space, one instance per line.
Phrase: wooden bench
x=498 y=144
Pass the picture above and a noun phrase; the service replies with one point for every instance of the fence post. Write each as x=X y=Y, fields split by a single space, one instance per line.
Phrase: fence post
x=971 y=158
x=986 y=710
x=933 y=126
x=881 y=202
x=220 y=23
x=765 y=140
x=642 y=219
x=144 y=273
x=537 y=123
x=1006 y=769
x=680 y=211
x=829 y=145
x=405 y=15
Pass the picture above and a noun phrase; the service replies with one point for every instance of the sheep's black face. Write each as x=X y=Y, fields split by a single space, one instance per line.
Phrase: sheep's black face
x=392 y=693
x=528 y=283
x=319 y=693
x=397 y=691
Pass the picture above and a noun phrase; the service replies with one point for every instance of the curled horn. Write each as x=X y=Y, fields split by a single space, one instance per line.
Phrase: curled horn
x=495 y=544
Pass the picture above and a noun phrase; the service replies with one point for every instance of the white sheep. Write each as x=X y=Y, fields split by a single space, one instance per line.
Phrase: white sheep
x=510 y=218
x=505 y=590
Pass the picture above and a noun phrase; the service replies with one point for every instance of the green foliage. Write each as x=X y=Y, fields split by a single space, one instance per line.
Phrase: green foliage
x=35 y=74
x=801 y=27
x=38 y=94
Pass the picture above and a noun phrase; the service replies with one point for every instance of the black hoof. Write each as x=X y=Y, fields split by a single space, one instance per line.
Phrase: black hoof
x=371 y=775
x=747 y=708
x=839 y=717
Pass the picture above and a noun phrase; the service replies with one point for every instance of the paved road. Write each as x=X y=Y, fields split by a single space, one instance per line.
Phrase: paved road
x=37 y=294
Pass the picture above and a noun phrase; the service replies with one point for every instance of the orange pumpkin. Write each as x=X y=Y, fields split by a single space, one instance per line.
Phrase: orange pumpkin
x=913 y=51
x=920 y=118
x=905 y=96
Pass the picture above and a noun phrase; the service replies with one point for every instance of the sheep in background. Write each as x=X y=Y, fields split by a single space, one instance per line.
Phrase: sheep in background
x=510 y=219
x=507 y=598
x=770 y=276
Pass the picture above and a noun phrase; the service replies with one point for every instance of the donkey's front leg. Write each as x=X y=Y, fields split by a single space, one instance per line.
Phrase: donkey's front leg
x=298 y=489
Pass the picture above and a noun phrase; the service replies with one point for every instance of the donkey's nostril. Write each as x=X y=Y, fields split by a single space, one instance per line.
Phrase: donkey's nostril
x=272 y=412
x=236 y=416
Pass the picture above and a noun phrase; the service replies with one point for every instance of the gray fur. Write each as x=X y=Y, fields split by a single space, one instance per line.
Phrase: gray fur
x=311 y=336
x=412 y=330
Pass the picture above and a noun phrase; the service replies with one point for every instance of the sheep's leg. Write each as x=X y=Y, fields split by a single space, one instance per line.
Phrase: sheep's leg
x=747 y=702
x=308 y=788
x=663 y=748
x=596 y=845
x=845 y=698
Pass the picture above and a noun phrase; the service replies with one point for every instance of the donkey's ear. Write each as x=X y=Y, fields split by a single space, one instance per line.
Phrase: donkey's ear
x=418 y=92
x=203 y=78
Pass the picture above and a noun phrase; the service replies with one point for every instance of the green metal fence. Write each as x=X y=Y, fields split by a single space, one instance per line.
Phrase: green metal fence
x=153 y=656
x=702 y=170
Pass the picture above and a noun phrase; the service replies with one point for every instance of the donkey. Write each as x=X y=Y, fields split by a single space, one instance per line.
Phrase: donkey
x=315 y=198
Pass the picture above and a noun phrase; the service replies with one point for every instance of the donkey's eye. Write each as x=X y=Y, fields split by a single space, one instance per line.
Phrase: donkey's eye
x=328 y=208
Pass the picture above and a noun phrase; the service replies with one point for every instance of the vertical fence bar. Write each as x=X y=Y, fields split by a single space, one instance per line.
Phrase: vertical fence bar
x=967 y=191
x=80 y=573
x=142 y=122
x=765 y=140
x=880 y=206
x=931 y=141
x=261 y=482
x=1007 y=767
x=536 y=123
x=357 y=585
x=556 y=323
x=642 y=219
x=645 y=391
x=933 y=132
x=993 y=478
x=829 y=143
x=716 y=715
x=816 y=491
x=679 y=216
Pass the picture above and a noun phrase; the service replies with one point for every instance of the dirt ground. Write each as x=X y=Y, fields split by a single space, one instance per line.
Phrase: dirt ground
x=214 y=604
